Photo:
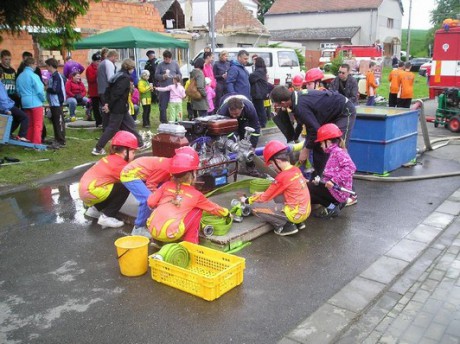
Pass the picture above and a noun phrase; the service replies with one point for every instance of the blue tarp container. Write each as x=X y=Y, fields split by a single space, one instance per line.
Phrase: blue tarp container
x=383 y=138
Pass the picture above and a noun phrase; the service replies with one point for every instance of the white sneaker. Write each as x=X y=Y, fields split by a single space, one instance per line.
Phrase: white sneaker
x=141 y=230
x=111 y=222
x=98 y=152
x=93 y=212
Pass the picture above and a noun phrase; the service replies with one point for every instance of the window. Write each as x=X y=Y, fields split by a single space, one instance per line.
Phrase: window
x=288 y=59
x=390 y=23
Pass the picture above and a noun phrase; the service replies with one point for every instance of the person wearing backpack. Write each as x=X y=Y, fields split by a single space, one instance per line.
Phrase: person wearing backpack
x=116 y=103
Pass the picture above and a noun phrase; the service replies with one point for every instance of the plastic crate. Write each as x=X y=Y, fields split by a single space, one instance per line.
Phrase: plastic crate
x=209 y=275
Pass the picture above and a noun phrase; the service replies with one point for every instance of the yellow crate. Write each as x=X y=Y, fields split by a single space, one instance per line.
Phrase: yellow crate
x=209 y=275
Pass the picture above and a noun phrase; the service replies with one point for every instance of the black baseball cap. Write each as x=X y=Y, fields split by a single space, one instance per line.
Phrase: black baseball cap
x=150 y=52
x=96 y=56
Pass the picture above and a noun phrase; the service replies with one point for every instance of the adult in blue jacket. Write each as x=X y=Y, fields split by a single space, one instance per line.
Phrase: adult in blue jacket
x=20 y=119
x=32 y=92
x=238 y=76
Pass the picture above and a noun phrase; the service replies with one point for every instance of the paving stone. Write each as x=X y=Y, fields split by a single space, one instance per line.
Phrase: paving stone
x=388 y=339
x=448 y=339
x=437 y=219
x=445 y=262
x=412 y=335
x=372 y=338
x=402 y=322
x=432 y=306
x=449 y=207
x=423 y=319
x=357 y=294
x=427 y=341
x=444 y=316
x=454 y=249
x=406 y=298
x=323 y=325
x=454 y=327
x=421 y=295
x=437 y=275
x=385 y=269
x=412 y=308
x=424 y=233
x=435 y=331
x=406 y=250
x=405 y=282
x=429 y=284
x=384 y=324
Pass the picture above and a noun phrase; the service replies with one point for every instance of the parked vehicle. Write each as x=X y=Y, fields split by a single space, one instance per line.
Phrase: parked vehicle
x=417 y=62
x=424 y=68
x=445 y=69
x=282 y=63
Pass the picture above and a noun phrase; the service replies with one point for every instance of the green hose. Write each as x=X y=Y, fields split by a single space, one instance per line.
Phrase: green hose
x=175 y=254
x=221 y=225
x=259 y=185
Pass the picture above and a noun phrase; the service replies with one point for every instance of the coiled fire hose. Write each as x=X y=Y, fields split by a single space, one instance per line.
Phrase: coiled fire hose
x=220 y=225
x=259 y=185
x=174 y=254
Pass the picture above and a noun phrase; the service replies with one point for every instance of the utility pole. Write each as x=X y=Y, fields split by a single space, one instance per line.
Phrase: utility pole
x=408 y=32
x=212 y=24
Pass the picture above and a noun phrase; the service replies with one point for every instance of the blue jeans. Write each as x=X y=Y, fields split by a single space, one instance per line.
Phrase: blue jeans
x=141 y=193
x=370 y=101
x=73 y=104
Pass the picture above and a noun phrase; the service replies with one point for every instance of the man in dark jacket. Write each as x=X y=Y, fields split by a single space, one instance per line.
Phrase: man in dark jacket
x=346 y=84
x=151 y=66
x=314 y=108
x=241 y=108
x=116 y=99
x=238 y=76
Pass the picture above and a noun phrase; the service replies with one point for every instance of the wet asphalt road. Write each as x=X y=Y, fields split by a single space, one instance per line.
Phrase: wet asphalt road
x=60 y=282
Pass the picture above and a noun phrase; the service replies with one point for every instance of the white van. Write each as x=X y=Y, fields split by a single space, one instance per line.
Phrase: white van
x=282 y=63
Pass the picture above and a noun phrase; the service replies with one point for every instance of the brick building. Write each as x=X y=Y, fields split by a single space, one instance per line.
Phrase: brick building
x=101 y=16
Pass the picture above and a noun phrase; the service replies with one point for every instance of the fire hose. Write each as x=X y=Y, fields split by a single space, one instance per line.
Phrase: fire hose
x=215 y=225
x=175 y=254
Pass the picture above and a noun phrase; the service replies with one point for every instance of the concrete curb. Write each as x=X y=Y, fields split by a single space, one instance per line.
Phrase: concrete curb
x=346 y=307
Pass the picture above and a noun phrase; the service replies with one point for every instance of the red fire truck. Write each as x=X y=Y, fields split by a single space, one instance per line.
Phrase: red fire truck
x=445 y=68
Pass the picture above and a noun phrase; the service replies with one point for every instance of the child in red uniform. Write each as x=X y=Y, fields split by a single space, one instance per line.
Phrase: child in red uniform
x=100 y=188
x=291 y=184
x=178 y=206
x=339 y=171
x=141 y=177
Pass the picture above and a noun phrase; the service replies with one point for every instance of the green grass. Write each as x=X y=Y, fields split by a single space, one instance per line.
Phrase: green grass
x=80 y=142
x=420 y=86
x=418 y=42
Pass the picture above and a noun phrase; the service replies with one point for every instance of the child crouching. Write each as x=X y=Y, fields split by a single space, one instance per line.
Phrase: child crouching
x=287 y=218
x=100 y=188
x=178 y=206
x=338 y=172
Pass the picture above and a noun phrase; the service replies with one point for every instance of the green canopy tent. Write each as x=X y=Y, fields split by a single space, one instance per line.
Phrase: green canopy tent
x=130 y=37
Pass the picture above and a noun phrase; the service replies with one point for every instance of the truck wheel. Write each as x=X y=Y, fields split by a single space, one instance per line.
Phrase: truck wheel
x=454 y=124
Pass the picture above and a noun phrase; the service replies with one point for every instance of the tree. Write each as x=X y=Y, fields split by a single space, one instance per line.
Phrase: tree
x=264 y=7
x=445 y=9
x=53 y=19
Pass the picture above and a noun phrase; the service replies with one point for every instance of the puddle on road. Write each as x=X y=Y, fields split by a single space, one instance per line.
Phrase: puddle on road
x=46 y=205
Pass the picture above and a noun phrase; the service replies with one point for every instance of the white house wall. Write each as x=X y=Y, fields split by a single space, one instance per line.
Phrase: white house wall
x=373 y=23
x=200 y=10
x=389 y=9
